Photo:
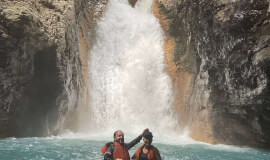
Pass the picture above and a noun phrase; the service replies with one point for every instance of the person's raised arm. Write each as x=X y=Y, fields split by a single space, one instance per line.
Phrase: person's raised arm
x=136 y=140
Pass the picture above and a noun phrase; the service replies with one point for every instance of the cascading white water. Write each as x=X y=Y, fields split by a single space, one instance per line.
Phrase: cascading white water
x=129 y=88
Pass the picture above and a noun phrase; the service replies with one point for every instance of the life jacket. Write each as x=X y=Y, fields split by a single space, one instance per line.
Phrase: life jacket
x=103 y=150
x=120 y=152
x=150 y=155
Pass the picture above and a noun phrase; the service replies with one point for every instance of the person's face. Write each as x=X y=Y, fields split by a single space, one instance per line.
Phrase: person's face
x=119 y=137
x=147 y=141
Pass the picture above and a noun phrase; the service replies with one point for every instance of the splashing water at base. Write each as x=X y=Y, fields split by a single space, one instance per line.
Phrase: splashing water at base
x=62 y=148
x=129 y=88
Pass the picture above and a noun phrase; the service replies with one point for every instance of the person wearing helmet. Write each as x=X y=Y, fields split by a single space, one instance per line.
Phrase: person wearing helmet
x=147 y=151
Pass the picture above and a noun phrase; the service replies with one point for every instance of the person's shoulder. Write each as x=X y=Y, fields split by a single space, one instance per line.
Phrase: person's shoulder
x=109 y=143
x=156 y=152
x=107 y=146
x=140 y=147
x=154 y=148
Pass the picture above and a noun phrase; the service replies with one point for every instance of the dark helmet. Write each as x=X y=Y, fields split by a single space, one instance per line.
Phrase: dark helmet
x=148 y=135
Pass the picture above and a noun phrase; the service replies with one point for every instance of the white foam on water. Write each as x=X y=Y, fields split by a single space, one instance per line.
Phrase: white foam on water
x=230 y=148
x=177 y=140
x=182 y=139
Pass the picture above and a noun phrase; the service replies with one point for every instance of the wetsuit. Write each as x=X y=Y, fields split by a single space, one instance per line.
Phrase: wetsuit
x=111 y=148
x=144 y=156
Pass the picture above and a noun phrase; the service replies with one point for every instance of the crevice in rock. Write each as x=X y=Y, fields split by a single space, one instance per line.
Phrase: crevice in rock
x=47 y=4
x=39 y=110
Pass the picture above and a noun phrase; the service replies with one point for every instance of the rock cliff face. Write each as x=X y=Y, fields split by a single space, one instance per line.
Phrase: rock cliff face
x=218 y=55
x=43 y=56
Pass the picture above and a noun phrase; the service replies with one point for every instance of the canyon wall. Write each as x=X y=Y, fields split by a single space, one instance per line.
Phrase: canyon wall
x=218 y=56
x=43 y=60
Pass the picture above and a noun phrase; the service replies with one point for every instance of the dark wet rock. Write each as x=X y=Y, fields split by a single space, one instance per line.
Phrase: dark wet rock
x=225 y=45
x=41 y=64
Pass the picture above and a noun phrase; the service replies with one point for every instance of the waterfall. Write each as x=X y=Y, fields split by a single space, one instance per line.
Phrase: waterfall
x=129 y=87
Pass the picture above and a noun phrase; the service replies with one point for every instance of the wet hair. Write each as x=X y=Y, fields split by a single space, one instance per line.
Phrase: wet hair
x=114 y=134
x=148 y=135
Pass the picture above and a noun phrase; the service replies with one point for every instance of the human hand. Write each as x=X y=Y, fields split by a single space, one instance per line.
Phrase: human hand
x=145 y=130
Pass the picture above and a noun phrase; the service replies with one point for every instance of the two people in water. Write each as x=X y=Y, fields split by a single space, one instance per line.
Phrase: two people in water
x=119 y=149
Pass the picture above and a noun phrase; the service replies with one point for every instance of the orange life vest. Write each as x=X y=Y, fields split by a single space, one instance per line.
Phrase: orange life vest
x=120 y=152
x=150 y=155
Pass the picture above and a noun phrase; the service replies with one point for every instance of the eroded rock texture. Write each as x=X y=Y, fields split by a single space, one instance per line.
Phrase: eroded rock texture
x=43 y=56
x=217 y=53
x=223 y=47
